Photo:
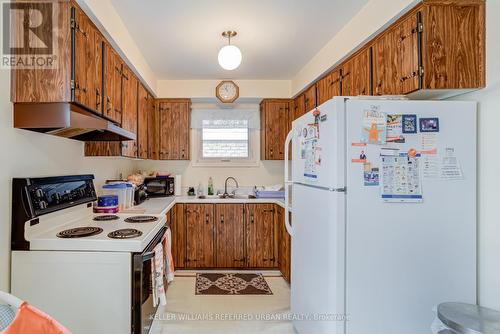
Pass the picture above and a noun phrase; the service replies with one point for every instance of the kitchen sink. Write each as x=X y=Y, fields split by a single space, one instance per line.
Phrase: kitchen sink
x=227 y=197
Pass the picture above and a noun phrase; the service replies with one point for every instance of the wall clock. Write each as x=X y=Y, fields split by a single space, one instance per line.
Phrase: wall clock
x=227 y=91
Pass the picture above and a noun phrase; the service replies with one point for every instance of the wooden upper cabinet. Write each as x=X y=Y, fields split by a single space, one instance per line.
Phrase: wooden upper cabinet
x=174 y=115
x=129 y=107
x=260 y=234
x=453 y=44
x=408 y=51
x=274 y=116
x=113 y=74
x=230 y=240
x=328 y=87
x=96 y=86
x=83 y=57
x=385 y=67
x=153 y=129
x=310 y=98
x=356 y=74
x=299 y=107
x=142 y=123
x=200 y=235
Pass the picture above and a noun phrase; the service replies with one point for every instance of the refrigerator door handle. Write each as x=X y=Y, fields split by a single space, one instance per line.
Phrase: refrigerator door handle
x=288 y=183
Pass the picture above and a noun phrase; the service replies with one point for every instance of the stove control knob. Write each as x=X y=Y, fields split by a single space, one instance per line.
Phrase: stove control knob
x=39 y=193
x=56 y=197
x=43 y=205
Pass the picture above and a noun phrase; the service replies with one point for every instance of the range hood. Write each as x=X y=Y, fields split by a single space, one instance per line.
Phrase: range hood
x=67 y=120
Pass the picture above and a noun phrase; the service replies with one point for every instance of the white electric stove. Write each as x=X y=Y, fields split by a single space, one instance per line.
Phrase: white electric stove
x=78 y=229
x=91 y=272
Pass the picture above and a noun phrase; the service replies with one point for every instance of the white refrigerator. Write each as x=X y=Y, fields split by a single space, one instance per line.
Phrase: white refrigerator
x=383 y=201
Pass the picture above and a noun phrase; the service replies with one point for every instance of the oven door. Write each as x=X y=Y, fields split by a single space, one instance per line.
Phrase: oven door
x=143 y=310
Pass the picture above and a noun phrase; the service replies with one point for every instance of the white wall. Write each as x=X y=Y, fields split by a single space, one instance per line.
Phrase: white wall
x=25 y=153
x=109 y=22
x=489 y=160
x=372 y=18
x=206 y=88
x=267 y=173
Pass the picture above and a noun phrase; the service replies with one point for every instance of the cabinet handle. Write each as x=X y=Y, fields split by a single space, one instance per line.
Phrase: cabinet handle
x=252 y=220
x=222 y=219
x=207 y=219
x=412 y=75
x=108 y=104
x=98 y=99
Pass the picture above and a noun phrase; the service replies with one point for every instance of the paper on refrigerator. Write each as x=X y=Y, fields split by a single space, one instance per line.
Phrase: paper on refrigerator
x=400 y=177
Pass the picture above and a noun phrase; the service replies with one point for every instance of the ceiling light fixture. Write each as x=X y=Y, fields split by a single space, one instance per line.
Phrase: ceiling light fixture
x=229 y=55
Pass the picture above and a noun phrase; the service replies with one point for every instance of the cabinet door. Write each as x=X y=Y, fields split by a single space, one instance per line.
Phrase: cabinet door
x=95 y=87
x=284 y=244
x=153 y=129
x=408 y=53
x=260 y=236
x=174 y=129
x=178 y=229
x=167 y=128
x=385 y=67
x=112 y=84
x=183 y=126
x=356 y=75
x=230 y=226
x=275 y=115
x=129 y=117
x=200 y=235
x=299 y=107
x=83 y=57
x=310 y=98
x=328 y=87
x=142 y=123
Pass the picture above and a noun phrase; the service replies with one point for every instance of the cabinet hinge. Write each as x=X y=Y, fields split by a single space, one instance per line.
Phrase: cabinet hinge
x=72 y=84
x=72 y=23
x=421 y=71
x=420 y=27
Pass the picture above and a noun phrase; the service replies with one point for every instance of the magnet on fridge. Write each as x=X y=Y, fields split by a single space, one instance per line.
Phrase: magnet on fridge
x=430 y=124
x=409 y=124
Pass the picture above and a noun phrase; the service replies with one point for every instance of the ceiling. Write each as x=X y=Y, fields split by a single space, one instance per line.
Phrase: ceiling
x=180 y=39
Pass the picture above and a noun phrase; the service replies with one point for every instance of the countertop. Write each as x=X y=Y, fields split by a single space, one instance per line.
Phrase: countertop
x=161 y=205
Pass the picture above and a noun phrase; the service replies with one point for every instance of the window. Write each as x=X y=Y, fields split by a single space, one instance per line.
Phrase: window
x=225 y=139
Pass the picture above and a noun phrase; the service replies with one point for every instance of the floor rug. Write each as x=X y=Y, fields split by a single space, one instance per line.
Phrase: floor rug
x=231 y=284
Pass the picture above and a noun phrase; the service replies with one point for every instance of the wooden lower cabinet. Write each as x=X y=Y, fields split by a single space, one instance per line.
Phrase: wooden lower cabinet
x=230 y=240
x=200 y=235
x=222 y=235
x=178 y=229
x=284 y=244
x=260 y=242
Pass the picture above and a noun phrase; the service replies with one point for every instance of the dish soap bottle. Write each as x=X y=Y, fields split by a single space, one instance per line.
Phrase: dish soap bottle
x=210 y=186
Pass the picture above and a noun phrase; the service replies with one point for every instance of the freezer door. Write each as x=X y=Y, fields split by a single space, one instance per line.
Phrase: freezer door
x=318 y=146
x=318 y=260
x=403 y=259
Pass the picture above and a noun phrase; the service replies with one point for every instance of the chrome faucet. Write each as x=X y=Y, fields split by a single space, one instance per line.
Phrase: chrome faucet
x=225 y=187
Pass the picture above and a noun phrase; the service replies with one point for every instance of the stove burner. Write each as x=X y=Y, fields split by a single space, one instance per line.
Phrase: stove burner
x=105 y=218
x=141 y=219
x=79 y=232
x=125 y=233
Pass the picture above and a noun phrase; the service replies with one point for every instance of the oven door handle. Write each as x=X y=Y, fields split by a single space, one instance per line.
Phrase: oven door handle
x=148 y=256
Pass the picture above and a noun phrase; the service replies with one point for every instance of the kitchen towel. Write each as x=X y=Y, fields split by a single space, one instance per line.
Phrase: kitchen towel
x=167 y=253
x=31 y=320
x=158 y=272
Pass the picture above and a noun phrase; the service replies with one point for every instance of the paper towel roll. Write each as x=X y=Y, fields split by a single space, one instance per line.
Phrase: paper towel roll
x=178 y=185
